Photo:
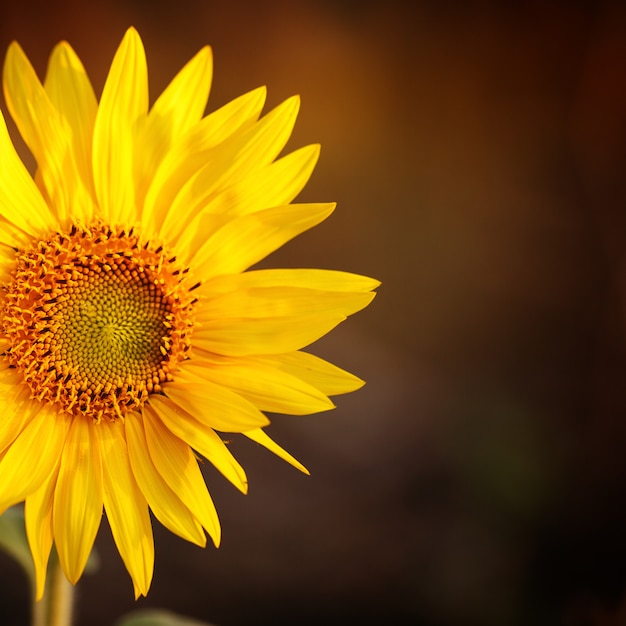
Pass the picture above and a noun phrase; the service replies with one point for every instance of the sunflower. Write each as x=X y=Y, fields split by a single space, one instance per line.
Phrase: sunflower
x=132 y=331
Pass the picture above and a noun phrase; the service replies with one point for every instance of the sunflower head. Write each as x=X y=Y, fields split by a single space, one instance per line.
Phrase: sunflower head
x=133 y=332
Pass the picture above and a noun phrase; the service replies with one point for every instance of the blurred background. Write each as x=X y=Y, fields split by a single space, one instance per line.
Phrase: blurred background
x=477 y=152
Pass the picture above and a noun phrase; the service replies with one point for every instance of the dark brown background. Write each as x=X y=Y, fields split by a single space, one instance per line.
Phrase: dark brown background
x=477 y=153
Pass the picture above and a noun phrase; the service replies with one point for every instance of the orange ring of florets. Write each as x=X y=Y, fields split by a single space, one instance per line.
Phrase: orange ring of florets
x=96 y=320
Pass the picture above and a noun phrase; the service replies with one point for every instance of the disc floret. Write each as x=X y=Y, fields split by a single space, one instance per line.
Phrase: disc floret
x=97 y=319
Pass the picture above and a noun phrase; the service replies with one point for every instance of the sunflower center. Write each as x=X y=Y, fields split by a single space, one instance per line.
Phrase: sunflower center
x=97 y=320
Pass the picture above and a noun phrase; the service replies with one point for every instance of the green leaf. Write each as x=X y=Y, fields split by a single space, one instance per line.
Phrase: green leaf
x=13 y=539
x=157 y=617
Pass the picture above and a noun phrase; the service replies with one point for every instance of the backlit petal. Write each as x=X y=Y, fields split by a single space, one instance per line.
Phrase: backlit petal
x=17 y=407
x=271 y=320
x=233 y=169
x=77 y=508
x=246 y=240
x=178 y=466
x=126 y=507
x=257 y=146
x=44 y=130
x=39 y=530
x=190 y=153
x=177 y=109
x=124 y=101
x=267 y=387
x=276 y=184
x=326 y=280
x=215 y=406
x=21 y=203
x=166 y=505
x=32 y=457
x=72 y=95
x=243 y=337
x=328 y=378
x=277 y=302
x=261 y=437
x=201 y=438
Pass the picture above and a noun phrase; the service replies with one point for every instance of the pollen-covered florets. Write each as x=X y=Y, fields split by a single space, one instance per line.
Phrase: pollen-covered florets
x=97 y=319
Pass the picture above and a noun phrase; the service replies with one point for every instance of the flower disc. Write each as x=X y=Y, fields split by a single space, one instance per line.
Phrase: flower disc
x=96 y=320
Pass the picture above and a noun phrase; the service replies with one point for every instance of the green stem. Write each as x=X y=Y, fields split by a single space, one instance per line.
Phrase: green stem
x=39 y=611
x=55 y=608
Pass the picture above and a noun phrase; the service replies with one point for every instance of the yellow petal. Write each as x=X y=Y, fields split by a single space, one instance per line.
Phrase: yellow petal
x=31 y=458
x=38 y=520
x=215 y=406
x=229 y=185
x=271 y=320
x=177 y=109
x=288 y=301
x=328 y=378
x=231 y=174
x=69 y=89
x=21 y=203
x=243 y=337
x=124 y=101
x=167 y=507
x=77 y=508
x=12 y=238
x=16 y=406
x=267 y=387
x=202 y=439
x=190 y=153
x=183 y=101
x=44 y=130
x=262 y=438
x=178 y=466
x=276 y=184
x=126 y=507
x=326 y=280
x=256 y=147
x=246 y=240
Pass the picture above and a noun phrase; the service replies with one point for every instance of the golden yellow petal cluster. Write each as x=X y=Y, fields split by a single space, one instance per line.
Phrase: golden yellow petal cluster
x=132 y=331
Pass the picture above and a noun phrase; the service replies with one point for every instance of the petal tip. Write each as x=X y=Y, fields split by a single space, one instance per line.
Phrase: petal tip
x=132 y=39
